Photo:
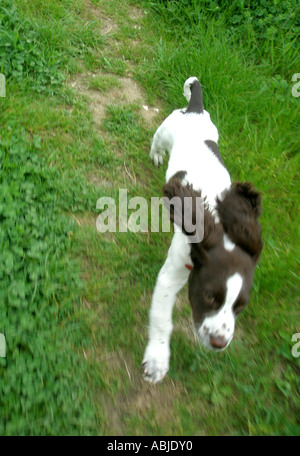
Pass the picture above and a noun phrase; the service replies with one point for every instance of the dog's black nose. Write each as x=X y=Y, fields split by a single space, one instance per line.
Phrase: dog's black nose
x=218 y=342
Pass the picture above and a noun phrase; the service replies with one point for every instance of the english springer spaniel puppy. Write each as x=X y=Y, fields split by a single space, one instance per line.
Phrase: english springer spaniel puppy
x=220 y=268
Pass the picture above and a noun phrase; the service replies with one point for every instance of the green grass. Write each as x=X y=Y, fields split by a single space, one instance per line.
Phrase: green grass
x=74 y=303
x=103 y=83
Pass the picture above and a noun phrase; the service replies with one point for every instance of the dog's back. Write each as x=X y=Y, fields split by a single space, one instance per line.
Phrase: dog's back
x=193 y=145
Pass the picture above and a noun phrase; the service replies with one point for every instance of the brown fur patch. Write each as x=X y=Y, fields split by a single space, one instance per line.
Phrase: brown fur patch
x=239 y=211
x=212 y=231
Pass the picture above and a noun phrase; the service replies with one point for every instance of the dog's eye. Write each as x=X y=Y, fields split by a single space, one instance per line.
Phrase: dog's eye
x=209 y=297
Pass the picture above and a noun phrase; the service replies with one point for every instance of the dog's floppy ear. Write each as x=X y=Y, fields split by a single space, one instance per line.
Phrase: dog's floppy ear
x=239 y=209
x=211 y=231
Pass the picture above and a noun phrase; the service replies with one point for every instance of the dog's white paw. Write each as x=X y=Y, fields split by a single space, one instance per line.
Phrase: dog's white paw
x=157 y=157
x=156 y=362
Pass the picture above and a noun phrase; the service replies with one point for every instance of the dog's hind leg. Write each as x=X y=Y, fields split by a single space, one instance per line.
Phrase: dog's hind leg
x=171 y=278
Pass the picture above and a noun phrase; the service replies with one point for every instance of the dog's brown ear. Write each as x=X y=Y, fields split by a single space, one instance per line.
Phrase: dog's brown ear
x=210 y=231
x=239 y=209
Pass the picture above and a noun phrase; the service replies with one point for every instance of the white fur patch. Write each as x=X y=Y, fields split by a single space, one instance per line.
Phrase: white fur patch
x=228 y=244
x=183 y=136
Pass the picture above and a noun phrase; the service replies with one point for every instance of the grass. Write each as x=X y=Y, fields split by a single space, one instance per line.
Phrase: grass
x=73 y=303
x=103 y=83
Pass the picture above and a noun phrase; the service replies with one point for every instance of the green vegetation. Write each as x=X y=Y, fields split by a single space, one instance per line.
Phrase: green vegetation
x=74 y=303
x=267 y=31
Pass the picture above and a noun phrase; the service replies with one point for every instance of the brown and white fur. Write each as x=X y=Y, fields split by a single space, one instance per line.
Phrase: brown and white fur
x=220 y=268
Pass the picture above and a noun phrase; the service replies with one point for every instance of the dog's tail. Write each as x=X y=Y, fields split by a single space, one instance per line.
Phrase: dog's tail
x=192 y=91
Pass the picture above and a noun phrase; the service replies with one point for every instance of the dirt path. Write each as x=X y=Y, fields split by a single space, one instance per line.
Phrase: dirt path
x=141 y=399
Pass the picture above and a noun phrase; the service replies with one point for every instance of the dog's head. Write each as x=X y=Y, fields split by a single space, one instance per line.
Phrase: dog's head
x=224 y=261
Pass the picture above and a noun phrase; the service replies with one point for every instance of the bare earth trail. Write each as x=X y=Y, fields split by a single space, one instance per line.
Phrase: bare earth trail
x=141 y=399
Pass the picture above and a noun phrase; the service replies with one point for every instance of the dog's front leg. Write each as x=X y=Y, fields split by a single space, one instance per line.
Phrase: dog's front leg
x=162 y=141
x=172 y=277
